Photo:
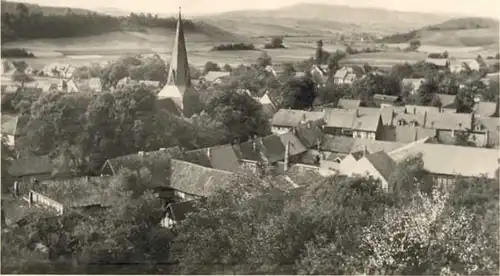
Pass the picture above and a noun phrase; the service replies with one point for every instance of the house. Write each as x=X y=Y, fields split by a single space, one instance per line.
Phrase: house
x=178 y=211
x=440 y=63
x=350 y=160
x=260 y=151
x=405 y=118
x=341 y=75
x=348 y=104
x=420 y=109
x=192 y=181
x=286 y=119
x=295 y=146
x=157 y=164
x=319 y=76
x=339 y=146
x=14 y=128
x=268 y=104
x=216 y=77
x=448 y=125
x=457 y=66
x=218 y=157
x=411 y=85
x=378 y=165
x=179 y=87
x=170 y=106
x=385 y=100
x=350 y=78
x=38 y=168
x=446 y=162
x=72 y=194
x=358 y=123
x=67 y=86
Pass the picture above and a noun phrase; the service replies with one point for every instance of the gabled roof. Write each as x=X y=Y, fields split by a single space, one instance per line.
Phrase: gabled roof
x=310 y=135
x=273 y=148
x=341 y=74
x=158 y=163
x=348 y=103
x=455 y=121
x=452 y=160
x=447 y=101
x=486 y=109
x=179 y=210
x=407 y=118
x=420 y=109
x=296 y=146
x=375 y=145
x=198 y=180
x=491 y=124
x=385 y=98
x=339 y=118
x=169 y=105
x=388 y=112
x=218 y=157
x=407 y=134
x=341 y=144
x=382 y=163
x=172 y=91
x=77 y=192
x=31 y=166
x=268 y=110
x=367 y=119
x=211 y=76
x=178 y=71
x=292 y=118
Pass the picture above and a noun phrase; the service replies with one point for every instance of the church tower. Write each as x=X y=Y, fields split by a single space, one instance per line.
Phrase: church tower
x=178 y=88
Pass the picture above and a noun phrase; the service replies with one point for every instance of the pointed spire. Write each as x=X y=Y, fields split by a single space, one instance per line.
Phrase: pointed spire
x=178 y=73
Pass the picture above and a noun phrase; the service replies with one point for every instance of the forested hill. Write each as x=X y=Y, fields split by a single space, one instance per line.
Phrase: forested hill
x=30 y=21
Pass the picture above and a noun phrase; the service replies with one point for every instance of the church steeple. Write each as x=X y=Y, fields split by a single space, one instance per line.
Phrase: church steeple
x=178 y=73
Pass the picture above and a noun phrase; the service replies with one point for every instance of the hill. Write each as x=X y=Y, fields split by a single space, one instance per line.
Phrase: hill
x=28 y=21
x=456 y=32
x=311 y=16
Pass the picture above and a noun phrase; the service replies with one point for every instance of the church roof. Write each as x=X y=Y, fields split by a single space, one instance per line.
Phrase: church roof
x=178 y=72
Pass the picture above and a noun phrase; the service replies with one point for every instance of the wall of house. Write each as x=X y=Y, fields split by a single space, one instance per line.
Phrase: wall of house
x=329 y=165
x=347 y=163
x=358 y=134
x=45 y=201
x=29 y=178
x=10 y=139
x=280 y=130
x=167 y=222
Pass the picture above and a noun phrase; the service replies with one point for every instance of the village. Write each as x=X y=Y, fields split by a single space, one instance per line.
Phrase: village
x=349 y=136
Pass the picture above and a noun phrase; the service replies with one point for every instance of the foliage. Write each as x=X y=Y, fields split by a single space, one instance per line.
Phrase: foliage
x=264 y=60
x=275 y=43
x=240 y=114
x=372 y=84
x=234 y=47
x=16 y=53
x=399 y=37
x=210 y=66
x=414 y=44
x=298 y=93
x=426 y=94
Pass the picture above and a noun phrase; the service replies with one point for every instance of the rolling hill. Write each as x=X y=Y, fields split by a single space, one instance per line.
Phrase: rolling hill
x=456 y=32
x=324 y=17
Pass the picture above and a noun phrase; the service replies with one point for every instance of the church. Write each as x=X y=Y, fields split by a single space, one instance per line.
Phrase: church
x=178 y=95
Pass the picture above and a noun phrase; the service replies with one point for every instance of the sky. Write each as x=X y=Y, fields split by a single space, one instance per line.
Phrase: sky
x=197 y=7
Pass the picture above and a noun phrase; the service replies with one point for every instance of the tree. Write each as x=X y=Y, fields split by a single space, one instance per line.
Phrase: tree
x=426 y=94
x=227 y=68
x=275 y=43
x=414 y=44
x=240 y=114
x=298 y=93
x=264 y=60
x=21 y=77
x=210 y=66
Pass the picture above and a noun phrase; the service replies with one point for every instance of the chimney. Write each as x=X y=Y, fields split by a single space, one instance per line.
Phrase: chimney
x=365 y=150
x=414 y=110
x=254 y=145
x=357 y=112
x=287 y=153
x=209 y=153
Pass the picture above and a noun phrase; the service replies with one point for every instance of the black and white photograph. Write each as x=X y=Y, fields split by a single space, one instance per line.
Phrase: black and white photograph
x=272 y=137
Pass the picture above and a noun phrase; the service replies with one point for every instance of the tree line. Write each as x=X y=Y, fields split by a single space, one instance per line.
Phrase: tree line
x=22 y=23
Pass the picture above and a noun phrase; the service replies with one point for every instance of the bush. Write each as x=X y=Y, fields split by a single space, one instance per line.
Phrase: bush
x=234 y=47
x=276 y=43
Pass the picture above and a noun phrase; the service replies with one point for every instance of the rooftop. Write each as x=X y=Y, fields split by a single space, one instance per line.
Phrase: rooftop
x=292 y=118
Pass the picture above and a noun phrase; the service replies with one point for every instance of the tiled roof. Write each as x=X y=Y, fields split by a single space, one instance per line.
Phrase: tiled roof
x=292 y=118
x=382 y=163
x=31 y=166
x=452 y=160
x=385 y=98
x=348 y=103
x=456 y=121
x=158 y=163
x=268 y=110
x=420 y=109
x=447 y=101
x=342 y=73
x=367 y=119
x=341 y=144
x=486 y=108
x=180 y=210
x=169 y=105
x=197 y=180
x=339 y=118
x=273 y=148
x=309 y=135
x=375 y=145
x=296 y=146
x=77 y=192
x=407 y=134
x=388 y=112
x=218 y=157
x=407 y=118
x=492 y=124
